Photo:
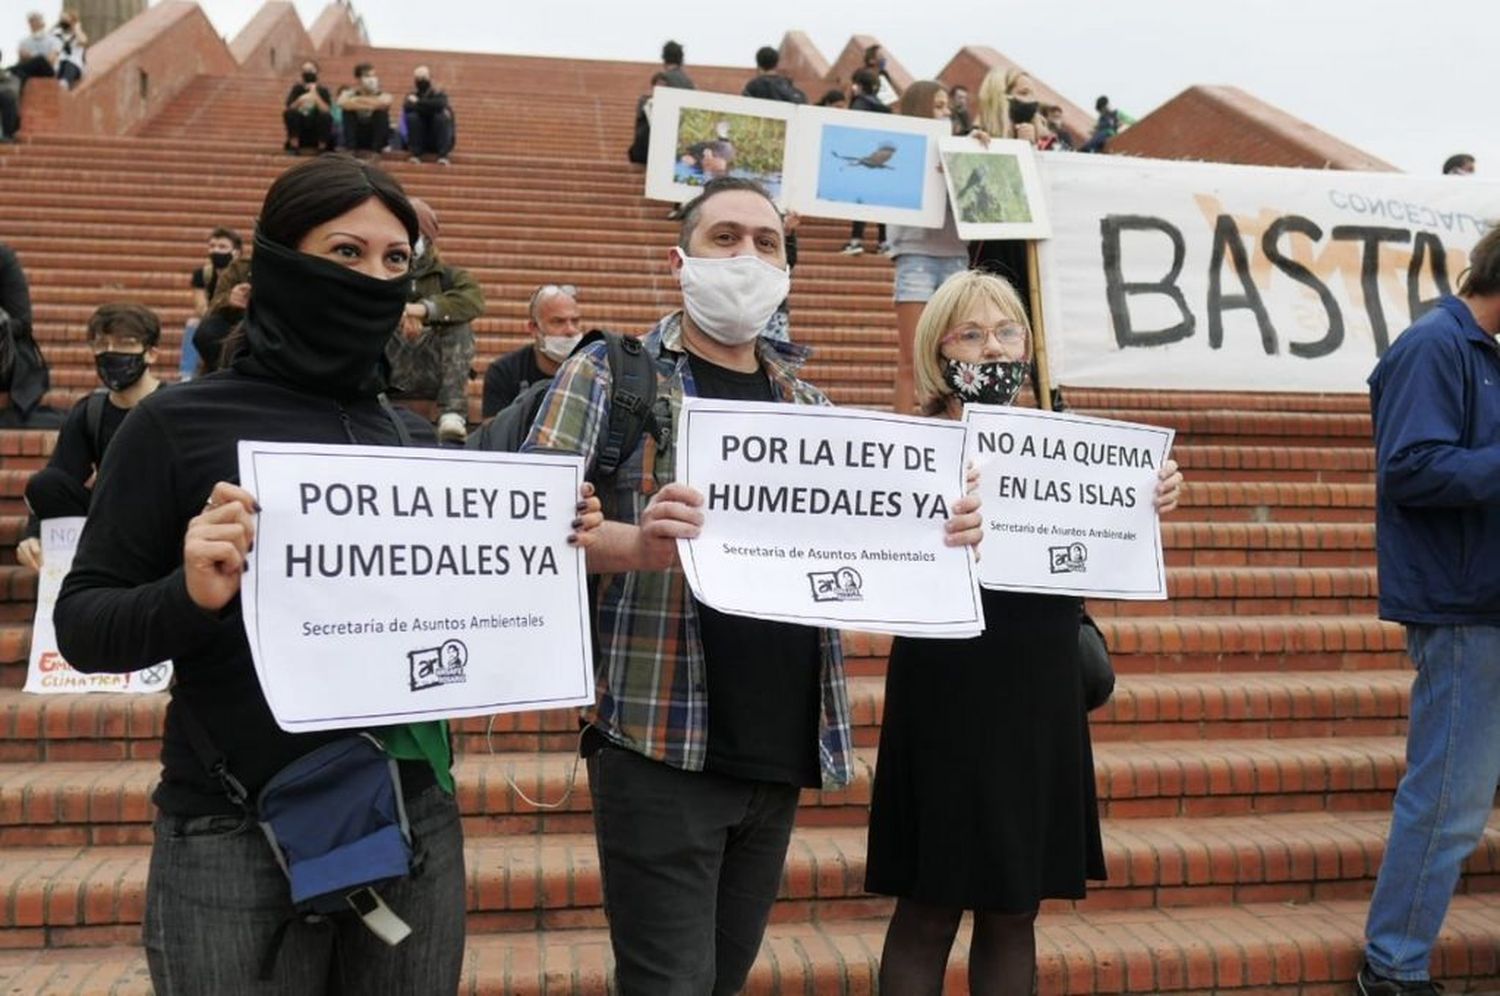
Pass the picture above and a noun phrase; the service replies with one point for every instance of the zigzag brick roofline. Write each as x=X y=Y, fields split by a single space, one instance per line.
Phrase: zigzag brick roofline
x=1226 y=124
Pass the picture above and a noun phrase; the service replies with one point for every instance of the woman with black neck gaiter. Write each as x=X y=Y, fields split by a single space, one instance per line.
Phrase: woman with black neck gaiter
x=157 y=577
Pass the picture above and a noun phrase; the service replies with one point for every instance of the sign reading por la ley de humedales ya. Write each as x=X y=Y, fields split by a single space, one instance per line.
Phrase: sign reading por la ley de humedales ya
x=47 y=672
x=394 y=585
x=1068 y=502
x=827 y=517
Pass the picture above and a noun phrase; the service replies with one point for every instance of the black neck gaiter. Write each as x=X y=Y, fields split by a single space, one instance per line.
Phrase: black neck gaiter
x=318 y=324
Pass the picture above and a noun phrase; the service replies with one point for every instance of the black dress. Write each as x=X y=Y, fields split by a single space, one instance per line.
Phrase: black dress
x=984 y=793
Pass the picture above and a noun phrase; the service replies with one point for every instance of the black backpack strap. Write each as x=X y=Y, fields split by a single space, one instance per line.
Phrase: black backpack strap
x=632 y=401
x=93 y=422
x=402 y=432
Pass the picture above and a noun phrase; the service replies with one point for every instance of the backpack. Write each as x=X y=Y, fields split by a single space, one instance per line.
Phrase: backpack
x=631 y=409
x=93 y=423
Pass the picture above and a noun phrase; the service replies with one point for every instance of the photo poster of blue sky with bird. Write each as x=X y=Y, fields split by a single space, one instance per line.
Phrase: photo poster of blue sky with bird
x=866 y=167
x=869 y=167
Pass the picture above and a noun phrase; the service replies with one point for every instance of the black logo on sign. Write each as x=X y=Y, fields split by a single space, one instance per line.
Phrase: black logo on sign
x=1070 y=559
x=155 y=674
x=436 y=666
x=842 y=585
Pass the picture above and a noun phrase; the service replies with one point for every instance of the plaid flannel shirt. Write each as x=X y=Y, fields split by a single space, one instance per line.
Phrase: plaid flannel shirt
x=652 y=679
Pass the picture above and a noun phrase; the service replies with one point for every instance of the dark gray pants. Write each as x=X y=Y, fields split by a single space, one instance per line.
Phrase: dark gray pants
x=691 y=864
x=215 y=896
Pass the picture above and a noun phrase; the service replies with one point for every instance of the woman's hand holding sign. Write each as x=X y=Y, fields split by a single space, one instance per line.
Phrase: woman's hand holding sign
x=1168 y=487
x=218 y=540
x=590 y=517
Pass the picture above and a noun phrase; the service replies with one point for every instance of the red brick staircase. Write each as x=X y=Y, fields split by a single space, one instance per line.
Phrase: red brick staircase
x=1245 y=765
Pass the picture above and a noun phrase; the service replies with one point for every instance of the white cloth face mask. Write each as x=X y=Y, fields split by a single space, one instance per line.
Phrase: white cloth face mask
x=730 y=299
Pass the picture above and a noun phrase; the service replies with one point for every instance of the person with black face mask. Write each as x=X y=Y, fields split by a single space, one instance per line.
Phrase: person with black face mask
x=123 y=338
x=429 y=119
x=224 y=246
x=308 y=115
x=157 y=575
x=984 y=795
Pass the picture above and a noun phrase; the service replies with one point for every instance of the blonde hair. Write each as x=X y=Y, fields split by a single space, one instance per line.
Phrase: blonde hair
x=958 y=298
x=994 y=100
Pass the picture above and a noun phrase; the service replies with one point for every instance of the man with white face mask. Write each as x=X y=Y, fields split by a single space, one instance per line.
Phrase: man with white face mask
x=694 y=794
x=556 y=325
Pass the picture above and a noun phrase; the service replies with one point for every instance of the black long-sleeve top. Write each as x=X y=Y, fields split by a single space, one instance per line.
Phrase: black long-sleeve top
x=125 y=604
x=15 y=295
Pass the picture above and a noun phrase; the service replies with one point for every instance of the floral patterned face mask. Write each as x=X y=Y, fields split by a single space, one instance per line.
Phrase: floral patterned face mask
x=994 y=383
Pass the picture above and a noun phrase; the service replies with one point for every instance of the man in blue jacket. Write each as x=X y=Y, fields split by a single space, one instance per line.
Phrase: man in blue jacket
x=1435 y=398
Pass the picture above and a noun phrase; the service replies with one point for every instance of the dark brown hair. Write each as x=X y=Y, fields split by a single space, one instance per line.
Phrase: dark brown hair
x=125 y=319
x=713 y=188
x=1482 y=278
x=917 y=101
x=321 y=189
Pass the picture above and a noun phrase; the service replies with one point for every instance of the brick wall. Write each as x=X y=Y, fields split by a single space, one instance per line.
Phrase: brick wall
x=274 y=43
x=1227 y=125
x=337 y=30
x=973 y=62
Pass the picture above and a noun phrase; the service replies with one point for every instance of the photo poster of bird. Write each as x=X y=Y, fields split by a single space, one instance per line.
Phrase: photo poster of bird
x=996 y=190
x=697 y=137
x=872 y=167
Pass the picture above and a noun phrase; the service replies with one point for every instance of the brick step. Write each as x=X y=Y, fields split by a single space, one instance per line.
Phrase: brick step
x=66 y=802
x=1261 y=949
x=1261 y=428
x=1252 y=643
x=1277 y=501
x=1145 y=707
x=67 y=896
x=1334 y=465
x=1255 y=591
x=1268 y=544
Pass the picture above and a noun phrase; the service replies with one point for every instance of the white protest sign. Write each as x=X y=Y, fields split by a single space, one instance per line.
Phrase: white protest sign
x=394 y=585
x=1205 y=276
x=1069 y=502
x=47 y=672
x=827 y=517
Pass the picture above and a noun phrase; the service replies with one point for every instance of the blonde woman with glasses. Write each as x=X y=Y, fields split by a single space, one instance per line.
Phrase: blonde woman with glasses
x=984 y=795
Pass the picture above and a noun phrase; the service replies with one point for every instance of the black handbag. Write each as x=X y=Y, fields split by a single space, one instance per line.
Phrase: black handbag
x=1093 y=659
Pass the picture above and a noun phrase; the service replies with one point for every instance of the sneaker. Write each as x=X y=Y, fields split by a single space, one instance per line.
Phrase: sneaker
x=415 y=159
x=443 y=161
x=1370 y=984
x=452 y=428
x=675 y=214
x=884 y=248
x=852 y=248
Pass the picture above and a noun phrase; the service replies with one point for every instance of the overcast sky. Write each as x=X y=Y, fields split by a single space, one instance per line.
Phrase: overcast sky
x=1408 y=82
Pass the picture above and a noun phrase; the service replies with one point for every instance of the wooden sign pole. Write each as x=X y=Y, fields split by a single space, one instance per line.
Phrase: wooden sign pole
x=1038 y=325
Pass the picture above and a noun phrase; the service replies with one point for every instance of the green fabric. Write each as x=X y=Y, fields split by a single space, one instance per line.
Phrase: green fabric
x=423 y=742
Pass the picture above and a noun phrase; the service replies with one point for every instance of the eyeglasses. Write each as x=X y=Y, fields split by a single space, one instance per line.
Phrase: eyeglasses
x=1008 y=334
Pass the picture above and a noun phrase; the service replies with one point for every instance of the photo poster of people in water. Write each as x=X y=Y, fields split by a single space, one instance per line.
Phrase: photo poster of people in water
x=697 y=137
x=996 y=190
x=866 y=167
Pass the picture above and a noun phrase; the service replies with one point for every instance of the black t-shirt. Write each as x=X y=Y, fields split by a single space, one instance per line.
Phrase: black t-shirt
x=508 y=376
x=764 y=696
x=299 y=88
x=209 y=283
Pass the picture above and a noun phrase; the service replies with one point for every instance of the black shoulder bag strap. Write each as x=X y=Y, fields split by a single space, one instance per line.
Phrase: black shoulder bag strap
x=403 y=434
x=210 y=756
x=93 y=421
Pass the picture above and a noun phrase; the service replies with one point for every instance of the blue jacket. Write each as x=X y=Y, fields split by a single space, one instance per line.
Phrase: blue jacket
x=1435 y=400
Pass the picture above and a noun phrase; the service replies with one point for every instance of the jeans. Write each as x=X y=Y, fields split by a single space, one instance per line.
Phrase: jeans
x=1445 y=797
x=918 y=276
x=215 y=896
x=429 y=135
x=691 y=863
x=368 y=130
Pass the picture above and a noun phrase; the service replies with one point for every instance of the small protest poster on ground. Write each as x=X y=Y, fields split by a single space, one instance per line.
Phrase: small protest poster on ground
x=394 y=585
x=47 y=672
x=1069 y=502
x=827 y=517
